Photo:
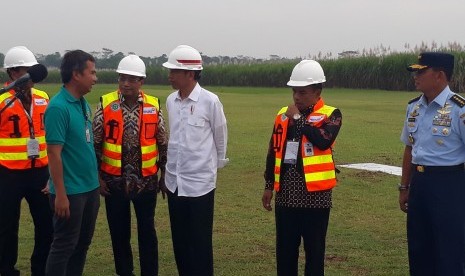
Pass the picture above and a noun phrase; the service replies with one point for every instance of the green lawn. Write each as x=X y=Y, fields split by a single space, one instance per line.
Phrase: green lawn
x=366 y=234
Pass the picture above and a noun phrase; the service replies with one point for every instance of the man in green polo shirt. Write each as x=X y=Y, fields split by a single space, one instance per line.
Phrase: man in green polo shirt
x=73 y=167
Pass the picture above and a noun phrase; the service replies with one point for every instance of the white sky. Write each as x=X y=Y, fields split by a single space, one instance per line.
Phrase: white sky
x=256 y=28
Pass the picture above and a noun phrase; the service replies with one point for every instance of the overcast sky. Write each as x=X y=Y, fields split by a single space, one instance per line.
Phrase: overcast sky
x=256 y=28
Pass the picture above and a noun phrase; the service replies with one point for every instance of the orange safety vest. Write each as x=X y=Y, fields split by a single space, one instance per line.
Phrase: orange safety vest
x=113 y=134
x=319 y=168
x=15 y=131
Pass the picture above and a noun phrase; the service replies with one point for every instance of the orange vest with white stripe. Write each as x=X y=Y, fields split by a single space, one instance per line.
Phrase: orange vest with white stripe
x=15 y=131
x=318 y=167
x=113 y=134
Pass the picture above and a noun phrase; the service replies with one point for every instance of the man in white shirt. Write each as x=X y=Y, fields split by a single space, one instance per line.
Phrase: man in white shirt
x=196 y=149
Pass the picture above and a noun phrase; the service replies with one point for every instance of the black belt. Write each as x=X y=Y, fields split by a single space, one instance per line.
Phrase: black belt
x=421 y=168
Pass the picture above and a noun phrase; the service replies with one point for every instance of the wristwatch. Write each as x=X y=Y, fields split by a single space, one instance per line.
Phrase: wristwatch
x=296 y=116
x=401 y=187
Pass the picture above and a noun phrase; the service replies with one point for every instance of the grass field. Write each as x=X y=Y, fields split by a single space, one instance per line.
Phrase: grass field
x=366 y=234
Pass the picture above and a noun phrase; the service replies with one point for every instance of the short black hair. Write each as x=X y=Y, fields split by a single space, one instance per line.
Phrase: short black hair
x=197 y=74
x=318 y=86
x=75 y=60
x=447 y=71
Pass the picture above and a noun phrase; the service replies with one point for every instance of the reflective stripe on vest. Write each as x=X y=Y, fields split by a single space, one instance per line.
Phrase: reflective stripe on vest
x=319 y=169
x=15 y=131
x=113 y=134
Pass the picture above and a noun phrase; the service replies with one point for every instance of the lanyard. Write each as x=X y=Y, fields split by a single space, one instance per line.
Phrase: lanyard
x=29 y=117
x=84 y=111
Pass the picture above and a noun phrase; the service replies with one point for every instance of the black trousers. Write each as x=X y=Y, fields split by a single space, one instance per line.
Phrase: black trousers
x=294 y=224
x=436 y=223
x=14 y=186
x=119 y=221
x=72 y=236
x=191 y=229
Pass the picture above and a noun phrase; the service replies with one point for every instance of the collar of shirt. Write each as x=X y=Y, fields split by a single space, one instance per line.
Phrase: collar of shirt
x=140 y=98
x=440 y=99
x=68 y=95
x=194 y=95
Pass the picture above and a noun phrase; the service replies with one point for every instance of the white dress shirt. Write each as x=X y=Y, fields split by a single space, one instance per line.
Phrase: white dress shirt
x=197 y=142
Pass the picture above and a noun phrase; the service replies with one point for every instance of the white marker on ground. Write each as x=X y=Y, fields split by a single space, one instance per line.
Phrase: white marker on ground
x=375 y=168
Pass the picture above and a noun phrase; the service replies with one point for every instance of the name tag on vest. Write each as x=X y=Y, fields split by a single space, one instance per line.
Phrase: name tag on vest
x=150 y=110
x=315 y=119
x=40 y=101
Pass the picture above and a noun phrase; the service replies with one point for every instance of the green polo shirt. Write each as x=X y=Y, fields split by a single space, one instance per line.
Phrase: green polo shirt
x=66 y=124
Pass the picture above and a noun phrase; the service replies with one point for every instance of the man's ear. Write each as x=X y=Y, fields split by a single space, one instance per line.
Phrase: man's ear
x=191 y=74
x=75 y=75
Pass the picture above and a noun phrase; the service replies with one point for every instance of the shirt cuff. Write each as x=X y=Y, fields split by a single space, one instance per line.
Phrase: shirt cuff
x=222 y=163
x=269 y=185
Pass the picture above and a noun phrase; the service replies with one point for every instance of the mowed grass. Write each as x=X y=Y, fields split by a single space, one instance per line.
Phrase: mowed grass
x=366 y=234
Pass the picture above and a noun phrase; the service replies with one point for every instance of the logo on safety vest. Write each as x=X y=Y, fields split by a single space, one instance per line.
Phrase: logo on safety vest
x=40 y=101
x=150 y=110
x=314 y=119
x=115 y=107
x=283 y=117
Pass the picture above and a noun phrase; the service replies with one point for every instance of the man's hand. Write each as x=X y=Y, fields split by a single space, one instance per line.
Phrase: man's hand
x=266 y=199
x=162 y=186
x=104 y=190
x=46 y=189
x=291 y=111
x=62 y=206
x=403 y=200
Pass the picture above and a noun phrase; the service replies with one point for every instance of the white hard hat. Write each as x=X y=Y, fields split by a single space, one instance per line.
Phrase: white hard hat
x=132 y=65
x=185 y=58
x=305 y=73
x=19 y=56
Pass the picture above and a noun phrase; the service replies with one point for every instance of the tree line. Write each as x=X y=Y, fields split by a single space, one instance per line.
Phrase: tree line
x=370 y=70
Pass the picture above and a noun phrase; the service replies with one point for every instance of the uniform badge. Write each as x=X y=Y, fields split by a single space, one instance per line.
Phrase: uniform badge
x=435 y=130
x=445 y=131
x=414 y=113
x=410 y=138
x=440 y=142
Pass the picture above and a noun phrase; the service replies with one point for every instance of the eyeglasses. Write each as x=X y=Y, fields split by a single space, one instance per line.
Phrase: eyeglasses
x=128 y=79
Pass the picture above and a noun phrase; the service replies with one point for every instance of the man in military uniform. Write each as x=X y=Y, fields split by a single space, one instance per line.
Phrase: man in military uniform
x=432 y=187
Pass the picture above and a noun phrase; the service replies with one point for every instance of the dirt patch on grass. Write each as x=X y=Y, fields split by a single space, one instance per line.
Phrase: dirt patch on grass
x=335 y=258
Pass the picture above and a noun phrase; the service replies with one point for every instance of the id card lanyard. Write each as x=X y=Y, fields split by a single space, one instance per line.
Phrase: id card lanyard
x=84 y=112
x=32 y=145
x=292 y=148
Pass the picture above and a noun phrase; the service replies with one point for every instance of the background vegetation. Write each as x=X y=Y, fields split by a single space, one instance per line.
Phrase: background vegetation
x=366 y=234
x=378 y=68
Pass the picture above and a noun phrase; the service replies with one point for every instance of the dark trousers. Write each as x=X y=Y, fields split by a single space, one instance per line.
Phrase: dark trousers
x=119 y=222
x=14 y=186
x=293 y=224
x=191 y=229
x=72 y=237
x=436 y=223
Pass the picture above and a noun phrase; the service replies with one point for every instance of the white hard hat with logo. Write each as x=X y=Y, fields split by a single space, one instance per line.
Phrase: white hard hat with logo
x=132 y=65
x=19 y=56
x=306 y=72
x=185 y=58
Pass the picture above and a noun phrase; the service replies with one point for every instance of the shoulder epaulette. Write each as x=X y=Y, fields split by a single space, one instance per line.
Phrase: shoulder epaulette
x=414 y=100
x=459 y=100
